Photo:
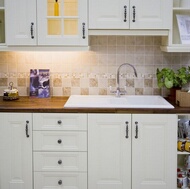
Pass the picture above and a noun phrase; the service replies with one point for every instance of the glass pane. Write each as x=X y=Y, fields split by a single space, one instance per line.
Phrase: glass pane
x=54 y=27
x=71 y=8
x=53 y=8
x=70 y=27
x=2 y=26
x=50 y=7
x=1 y=3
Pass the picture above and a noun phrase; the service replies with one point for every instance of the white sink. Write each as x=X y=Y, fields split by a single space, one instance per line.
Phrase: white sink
x=108 y=101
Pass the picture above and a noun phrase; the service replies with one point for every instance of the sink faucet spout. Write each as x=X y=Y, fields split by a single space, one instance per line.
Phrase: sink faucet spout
x=118 y=91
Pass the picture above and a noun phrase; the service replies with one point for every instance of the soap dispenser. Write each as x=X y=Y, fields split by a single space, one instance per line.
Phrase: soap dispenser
x=56 y=8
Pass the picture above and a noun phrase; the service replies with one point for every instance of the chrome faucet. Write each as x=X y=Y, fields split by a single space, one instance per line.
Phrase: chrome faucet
x=118 y=91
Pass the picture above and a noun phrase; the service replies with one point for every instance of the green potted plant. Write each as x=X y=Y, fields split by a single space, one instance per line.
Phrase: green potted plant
x=170 y=79
x=173 y=80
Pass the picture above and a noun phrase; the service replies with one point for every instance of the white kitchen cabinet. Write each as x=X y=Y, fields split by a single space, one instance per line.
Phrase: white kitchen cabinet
x=69 y=27
x=60 y=150
x=21 y=22
x=33 y=23
x=132 y=151
x=16 y=151
x=130 y=14
x=173 y=42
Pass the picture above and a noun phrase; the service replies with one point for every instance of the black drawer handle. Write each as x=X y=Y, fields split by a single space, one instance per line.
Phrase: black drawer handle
x=125 y=13
x=59 y=141
x=127 y=129
x=136 y=129
x=26 y=129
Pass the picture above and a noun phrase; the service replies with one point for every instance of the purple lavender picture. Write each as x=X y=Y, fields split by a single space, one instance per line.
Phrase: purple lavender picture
x=39 y=83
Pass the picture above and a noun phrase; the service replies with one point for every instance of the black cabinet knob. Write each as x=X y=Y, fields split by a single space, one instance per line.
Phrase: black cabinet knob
x=60 y=162
x=59 y=141
x=60 y=182
x=59 y=122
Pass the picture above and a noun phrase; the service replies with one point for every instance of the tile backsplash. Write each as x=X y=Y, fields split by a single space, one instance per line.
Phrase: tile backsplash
x=93 y=72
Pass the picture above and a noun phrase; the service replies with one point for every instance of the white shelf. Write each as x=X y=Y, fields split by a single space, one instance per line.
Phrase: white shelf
x=173 y=43
x=183 y=153
x=175 y=48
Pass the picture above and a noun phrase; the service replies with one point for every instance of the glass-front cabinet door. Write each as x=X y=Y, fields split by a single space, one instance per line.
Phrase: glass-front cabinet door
x=62 y=22
x=2 y=22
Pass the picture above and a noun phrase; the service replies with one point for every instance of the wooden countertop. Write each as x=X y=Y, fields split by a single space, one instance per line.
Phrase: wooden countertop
x=56 y=105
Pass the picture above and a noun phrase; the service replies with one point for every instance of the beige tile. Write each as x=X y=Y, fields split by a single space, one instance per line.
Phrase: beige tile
x=149 y=40
x=139 y=91
x=111 y=82
x=140 y=40
x=112 y=40
x=75 y=82
x=156 y=91
x=102 y=91
x=66 y=91
x=93 y=82
x=130 y=83
x=130 y=40
x=4 y=82
x=3 y=57
x=57 y=82
x=120 y=40
x=84 y=91
x=21 y=82
x=102 y=40
x=148 y=83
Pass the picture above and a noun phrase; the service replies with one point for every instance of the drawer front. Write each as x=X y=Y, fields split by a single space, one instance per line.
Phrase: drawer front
x=59 y=141
x=60 y=161
x=54 y=180
x=59 y=121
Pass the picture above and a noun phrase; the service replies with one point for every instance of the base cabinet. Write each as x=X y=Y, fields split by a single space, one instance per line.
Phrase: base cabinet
x=16 y=151
x=131 y=151
x=88 y=151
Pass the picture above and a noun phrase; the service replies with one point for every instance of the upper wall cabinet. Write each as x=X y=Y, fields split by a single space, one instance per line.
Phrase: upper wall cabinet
x=21 y=22
x=46 y=23
x=62 y=22
x=130 y=14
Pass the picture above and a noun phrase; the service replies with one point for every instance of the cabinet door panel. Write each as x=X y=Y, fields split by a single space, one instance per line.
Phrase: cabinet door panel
x=109 y=151
x=69 y=27
x=152 y=165
x=106 y=14
x=16 y=151
x=154 y=14
x=20 y=15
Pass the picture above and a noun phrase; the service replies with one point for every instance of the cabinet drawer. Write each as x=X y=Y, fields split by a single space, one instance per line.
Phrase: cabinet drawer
x=54 y=180
x=59 y=121
x=59 y=141
x=60 y=161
